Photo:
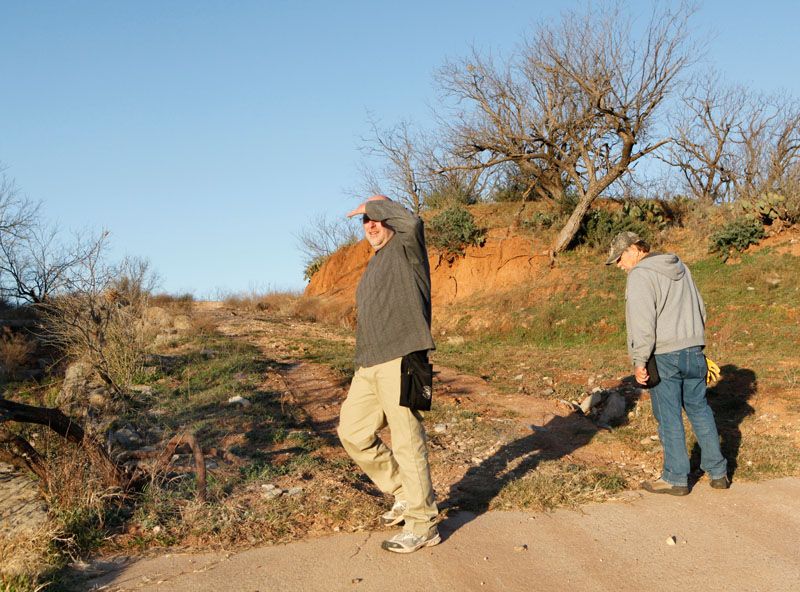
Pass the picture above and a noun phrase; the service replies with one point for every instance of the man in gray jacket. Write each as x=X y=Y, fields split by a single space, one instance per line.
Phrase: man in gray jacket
x=393 y=302
x=665 y=317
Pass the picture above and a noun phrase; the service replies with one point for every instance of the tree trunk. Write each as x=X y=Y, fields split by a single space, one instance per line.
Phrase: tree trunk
x=570 y=229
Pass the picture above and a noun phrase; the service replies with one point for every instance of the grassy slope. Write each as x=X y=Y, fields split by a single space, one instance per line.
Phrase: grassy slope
x=555 y=338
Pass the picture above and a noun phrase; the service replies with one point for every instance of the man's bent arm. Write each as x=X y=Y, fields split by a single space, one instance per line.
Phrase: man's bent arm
x=640 y=309
x=392 y=213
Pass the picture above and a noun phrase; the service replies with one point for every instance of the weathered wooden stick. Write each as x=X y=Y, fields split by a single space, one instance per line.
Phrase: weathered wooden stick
x=67 y=428
x=199 y=460
x=17 y=451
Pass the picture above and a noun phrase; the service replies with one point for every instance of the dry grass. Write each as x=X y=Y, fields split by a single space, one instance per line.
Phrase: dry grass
x=325 y=310
x=80 y=510
x=240 y=515
x=15 y=352
x=203 y=325
x=559 y=483
x=273 y=301
x=24 y=559
x=173 y=302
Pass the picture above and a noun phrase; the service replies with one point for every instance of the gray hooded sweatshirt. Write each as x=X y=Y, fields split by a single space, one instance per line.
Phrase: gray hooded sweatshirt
x=664 y=312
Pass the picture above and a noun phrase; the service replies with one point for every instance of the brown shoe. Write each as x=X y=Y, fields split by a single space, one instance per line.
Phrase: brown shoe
x=721 y=483
x=661 y=486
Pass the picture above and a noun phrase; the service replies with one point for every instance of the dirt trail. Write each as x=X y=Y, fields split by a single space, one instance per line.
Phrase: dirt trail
x=741 y=539
x=21 y=506
x=512 y=420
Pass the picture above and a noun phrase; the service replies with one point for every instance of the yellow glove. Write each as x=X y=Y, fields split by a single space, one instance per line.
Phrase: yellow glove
x=713 y=371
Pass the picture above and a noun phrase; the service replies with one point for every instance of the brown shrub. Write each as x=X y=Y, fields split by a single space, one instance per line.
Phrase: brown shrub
x=275 y=302
x=103 y=324
x=203 y=324
x=173 y=302
x=15 y=351
x=316 y=309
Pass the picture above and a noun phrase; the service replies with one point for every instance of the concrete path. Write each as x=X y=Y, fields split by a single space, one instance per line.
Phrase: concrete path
x=22 y=509
x=746 y=538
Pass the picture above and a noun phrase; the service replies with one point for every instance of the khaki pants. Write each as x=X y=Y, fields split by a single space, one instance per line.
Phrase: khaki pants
x=373 y=403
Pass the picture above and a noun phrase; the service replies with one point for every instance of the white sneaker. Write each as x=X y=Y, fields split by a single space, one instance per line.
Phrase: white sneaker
x=395 y=515
x=408 y=542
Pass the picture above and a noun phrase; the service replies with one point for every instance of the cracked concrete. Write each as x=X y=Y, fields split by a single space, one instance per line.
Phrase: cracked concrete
x=744 y=538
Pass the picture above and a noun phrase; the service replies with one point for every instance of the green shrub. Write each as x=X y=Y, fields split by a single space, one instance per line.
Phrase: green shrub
x=642 y=216
x=599 y=227
x=314 y=266
x=454 y=229
x=444 y=195
x=540 y=220
x=513 y=185
x=507 y=194
x=772 y=207
x=736 y=235
x=649 y=211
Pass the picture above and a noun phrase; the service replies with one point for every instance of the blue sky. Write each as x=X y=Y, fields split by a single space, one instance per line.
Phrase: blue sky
x=203 y=135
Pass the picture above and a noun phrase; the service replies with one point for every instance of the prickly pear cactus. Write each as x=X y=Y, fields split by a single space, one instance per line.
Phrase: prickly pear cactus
x=769 y=207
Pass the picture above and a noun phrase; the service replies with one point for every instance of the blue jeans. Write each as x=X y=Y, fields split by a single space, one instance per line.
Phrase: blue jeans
x=683 y=385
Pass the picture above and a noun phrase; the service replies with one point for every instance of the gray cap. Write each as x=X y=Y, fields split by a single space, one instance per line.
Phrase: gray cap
x=621 y=242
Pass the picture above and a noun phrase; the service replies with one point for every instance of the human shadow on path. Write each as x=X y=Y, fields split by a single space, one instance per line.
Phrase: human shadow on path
x=558 y=438
x=729 y=401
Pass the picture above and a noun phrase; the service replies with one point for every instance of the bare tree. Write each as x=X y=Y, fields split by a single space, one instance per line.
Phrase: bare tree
x=17 y=213
x=769 y=144
x=36 y=264
x=733 y=144
x=322 y=236
x=415 y=170
x=705 y=130
x=100 y=316
x=576 y=107
x=404 y=169
x=17 y=217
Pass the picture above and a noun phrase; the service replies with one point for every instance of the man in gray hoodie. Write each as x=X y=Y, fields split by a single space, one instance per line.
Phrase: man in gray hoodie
x=665 y=317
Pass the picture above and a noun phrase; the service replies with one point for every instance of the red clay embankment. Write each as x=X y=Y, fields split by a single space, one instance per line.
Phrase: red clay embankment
x=501 y=263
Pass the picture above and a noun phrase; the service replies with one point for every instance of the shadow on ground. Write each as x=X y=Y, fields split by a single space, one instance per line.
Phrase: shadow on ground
x=564 y=435
x=729 y=401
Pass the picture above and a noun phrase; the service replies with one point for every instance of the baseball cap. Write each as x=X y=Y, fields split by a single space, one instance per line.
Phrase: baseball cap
x=621 y=242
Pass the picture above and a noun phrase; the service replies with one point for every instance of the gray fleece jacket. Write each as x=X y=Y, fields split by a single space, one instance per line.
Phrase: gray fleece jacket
x=664 y=312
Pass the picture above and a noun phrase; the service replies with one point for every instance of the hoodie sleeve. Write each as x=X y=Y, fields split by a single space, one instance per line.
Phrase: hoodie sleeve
x=640 y=316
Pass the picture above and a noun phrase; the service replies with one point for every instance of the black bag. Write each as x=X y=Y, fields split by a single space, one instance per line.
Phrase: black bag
x=416 y=381
x=652 y=370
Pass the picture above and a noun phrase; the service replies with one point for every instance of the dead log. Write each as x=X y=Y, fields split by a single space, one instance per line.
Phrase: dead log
x=164 y=458
x=17 y=451
x=199 y=460
x=70 y=430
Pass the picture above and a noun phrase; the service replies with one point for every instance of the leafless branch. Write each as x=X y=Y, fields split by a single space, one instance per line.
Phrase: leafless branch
x=575 y=107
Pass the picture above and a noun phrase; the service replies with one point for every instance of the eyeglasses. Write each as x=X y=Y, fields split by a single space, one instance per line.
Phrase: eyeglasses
x=365 y=219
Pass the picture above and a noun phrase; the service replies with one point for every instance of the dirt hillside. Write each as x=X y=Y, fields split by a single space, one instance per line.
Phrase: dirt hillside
x=501 y=263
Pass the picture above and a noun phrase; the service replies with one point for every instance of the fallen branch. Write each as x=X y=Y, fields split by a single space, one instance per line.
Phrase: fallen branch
x=17 y=451
x=68 y=429
x=199 y=460
x=164 y=458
